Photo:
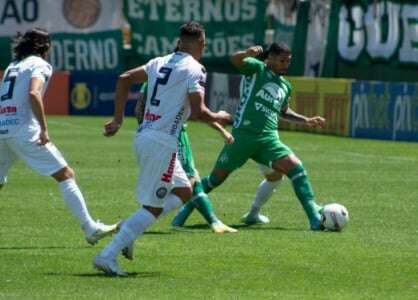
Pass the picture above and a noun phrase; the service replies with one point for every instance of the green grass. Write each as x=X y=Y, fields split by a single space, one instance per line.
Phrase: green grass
x=43 y=254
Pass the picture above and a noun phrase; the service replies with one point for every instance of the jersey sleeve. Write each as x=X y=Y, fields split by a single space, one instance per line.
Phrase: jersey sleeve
x=251 y=65
x=150 y=64
x=42 y=71
x=197 y=80
x=288 y=91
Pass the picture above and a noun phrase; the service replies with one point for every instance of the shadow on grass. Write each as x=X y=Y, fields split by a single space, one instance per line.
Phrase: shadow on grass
x=103 y=275
x=43 y=248
x=190 y=228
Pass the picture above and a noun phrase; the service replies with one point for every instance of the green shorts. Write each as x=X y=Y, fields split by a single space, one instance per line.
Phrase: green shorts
x=262 y=148
x=185 y=154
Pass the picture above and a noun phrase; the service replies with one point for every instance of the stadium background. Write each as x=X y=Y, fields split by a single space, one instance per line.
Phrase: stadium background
x=354 y=62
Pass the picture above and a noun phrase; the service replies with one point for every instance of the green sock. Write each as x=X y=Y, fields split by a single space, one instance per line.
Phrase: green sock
x=210 y=182
x=305 y=194
x=183 y=214
x=201 y=201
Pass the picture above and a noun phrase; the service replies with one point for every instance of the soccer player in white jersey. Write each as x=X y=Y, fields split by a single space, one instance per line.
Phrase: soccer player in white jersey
x=23 y=127
x=175 y=91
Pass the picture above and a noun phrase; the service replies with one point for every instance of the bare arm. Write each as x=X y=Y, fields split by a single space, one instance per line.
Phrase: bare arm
x=35 y=96
x=226 y=135
x=237 y=59
x=123 y=86
x=140 y=107
x=291 y=116
x=201 y=112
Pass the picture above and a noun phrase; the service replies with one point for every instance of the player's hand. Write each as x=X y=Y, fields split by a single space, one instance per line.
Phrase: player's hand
x=224 y=118
x=254 y=51
x=316 y=121
x=43 y=138
x=229 y=139
x=111 y=127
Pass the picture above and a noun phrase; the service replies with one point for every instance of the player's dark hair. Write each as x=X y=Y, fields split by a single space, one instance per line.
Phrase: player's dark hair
x=191 y=31
x=34 y=42
x=278 y=49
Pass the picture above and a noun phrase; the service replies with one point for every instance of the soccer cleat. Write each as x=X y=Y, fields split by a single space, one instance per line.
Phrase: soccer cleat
x=251 y=219
x=108 y=265
x=219 y=227
x=316 y=225
x=101 y=231
x=128 y=251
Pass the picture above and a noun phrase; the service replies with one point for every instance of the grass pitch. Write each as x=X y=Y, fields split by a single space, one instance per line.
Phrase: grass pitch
x=43 y=254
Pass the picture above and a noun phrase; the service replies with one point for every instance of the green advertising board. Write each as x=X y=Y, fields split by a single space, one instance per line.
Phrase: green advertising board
x=373 y=40
x=230 y=25
x=86 y=35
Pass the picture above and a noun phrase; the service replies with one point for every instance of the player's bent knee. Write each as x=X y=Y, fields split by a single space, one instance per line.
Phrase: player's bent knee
x=286 y=164
x=184 y=193
x=275 y=176
x=64 y=174
x=155 y=211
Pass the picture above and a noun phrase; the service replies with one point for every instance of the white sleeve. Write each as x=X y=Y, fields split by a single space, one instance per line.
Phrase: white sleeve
x=197 y=80
x=42 y=71
x=149 y=65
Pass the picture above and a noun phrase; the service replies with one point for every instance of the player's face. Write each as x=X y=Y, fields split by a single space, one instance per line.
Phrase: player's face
x=202 y=44
x=279 y=63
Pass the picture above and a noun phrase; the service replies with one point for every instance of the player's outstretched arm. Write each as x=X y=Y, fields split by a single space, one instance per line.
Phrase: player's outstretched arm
x=237 y=59
x=226 y=135
x=35 y=96
x=291 y=116
x=123 y=86
x=199 y=111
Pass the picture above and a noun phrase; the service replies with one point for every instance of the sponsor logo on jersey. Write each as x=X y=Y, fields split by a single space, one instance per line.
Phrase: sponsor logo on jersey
x=272 y=93
x=168 y=174
x=80 y=96
x=8 y=110
x=149 y=116
x=269 y=112
x=177 y=122
x=9 y=122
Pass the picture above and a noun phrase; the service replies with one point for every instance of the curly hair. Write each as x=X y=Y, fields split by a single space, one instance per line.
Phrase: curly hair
x=34 y=42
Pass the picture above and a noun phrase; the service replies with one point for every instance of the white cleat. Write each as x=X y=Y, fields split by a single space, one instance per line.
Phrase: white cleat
x=219 y=227
x=100 y=232
x=108 y=265
x=128 y=251
x=251 y=219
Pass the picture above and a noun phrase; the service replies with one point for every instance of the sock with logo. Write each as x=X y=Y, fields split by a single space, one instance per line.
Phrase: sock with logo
x=305 y=194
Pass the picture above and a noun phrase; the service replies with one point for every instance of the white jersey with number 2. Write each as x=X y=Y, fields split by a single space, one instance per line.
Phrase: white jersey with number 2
x=170 y=79
x=16 y=117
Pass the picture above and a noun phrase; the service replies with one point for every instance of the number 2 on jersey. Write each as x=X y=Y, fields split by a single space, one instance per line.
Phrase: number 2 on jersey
x=160 y=81
x=8 y=85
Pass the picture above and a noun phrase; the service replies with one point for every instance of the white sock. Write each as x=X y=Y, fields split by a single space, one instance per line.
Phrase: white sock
x=172 y=202
x=264 y=192
x=75 y=202
x=131 y=229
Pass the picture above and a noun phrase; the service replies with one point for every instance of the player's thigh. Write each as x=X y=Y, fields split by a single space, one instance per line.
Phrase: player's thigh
x=160 y=171
x=185 y=155
x=270 y=150
x=233 y=156
x=43 y=159
x=7 y=158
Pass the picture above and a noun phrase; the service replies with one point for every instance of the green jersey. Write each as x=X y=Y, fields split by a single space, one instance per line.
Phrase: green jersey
x=263 y=95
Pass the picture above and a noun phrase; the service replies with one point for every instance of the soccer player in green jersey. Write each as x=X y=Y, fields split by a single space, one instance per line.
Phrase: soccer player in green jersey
x=265 y=96
x=199 y=198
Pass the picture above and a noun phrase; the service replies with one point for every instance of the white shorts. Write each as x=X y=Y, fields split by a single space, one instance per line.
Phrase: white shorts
x=160 y=171
x=45 y=160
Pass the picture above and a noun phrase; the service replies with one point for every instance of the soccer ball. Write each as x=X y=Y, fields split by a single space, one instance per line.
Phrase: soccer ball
x=334 y=217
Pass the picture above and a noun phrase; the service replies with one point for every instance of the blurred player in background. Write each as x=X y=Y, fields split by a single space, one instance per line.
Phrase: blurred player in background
x=23 y=127
x=176 y=84
x=265 y=97
x=199 y=199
